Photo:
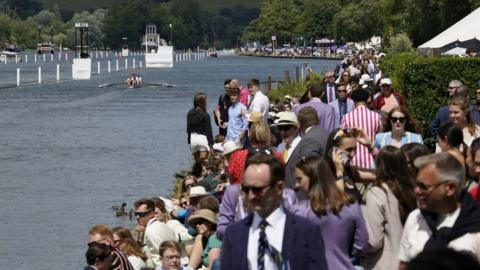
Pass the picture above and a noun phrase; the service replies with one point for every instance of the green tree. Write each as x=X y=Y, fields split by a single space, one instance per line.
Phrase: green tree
x=359 y=22
x=317 y=18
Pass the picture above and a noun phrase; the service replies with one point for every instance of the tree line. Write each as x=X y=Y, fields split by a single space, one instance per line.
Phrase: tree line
x=355 y=20
x=26 y=25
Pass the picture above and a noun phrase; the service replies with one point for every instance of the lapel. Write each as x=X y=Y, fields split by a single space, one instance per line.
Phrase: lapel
x=289 y=235
x=243 y=238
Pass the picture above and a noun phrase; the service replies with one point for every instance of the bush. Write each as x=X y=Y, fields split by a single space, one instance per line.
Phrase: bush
x=292 y=88
x=400 y=43
x=423 y=81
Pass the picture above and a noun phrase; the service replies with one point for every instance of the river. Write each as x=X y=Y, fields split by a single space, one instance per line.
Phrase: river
x=71 y=150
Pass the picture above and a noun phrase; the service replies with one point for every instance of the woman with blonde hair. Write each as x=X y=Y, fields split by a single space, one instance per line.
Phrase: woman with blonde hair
x=259 y=136
x=123 y=240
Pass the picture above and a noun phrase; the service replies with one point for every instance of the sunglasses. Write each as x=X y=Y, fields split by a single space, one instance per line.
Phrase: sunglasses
x=477 y=93
x=284 y=128
x=425 y=187
x=385 y=85
x=342 y=133
x=141 y=214
x=342 y=91
x=256 y=190
x=397 y=119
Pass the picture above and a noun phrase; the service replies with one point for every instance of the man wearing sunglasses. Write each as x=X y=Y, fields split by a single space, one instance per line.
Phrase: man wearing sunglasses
x=270 y=237
x=155 y=231
x=447 y=216
x=342 y=105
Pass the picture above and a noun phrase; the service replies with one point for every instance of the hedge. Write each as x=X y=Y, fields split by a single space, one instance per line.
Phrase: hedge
x=423 y=81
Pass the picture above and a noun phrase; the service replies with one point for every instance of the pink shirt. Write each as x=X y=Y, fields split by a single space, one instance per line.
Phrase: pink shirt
x=371 y=123
x=244 y=95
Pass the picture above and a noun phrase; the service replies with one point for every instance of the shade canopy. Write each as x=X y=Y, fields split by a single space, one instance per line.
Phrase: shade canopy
x=466 y=29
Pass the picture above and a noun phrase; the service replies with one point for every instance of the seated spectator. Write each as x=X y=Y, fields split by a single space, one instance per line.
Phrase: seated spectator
x=99 y=257
x=104 y=235
x=123 y=240
x=205 y=222
x=170 y=257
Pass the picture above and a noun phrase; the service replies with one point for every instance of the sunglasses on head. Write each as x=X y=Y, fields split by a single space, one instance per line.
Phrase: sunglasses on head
x=342 y=133
x=397 y=119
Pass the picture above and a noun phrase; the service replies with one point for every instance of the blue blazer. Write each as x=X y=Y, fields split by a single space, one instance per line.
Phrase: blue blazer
x=302 y=247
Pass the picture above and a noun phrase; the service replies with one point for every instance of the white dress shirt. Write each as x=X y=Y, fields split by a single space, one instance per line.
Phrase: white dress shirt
x=274 y=231
x=281 y=147
x=261 y=104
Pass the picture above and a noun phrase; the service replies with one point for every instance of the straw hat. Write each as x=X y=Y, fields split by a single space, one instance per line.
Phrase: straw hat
x=229 y=147
x=202 y=214
x=196 y=191
x=286 y=119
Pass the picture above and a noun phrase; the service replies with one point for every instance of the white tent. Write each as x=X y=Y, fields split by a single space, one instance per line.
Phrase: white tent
x=465 y=29
x=456 y=51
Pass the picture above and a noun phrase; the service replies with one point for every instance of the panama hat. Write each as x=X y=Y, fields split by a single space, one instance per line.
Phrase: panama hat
x=286 y=119
x=229 y=147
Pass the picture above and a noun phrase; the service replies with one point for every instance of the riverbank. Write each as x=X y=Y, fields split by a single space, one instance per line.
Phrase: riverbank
x=292 y=56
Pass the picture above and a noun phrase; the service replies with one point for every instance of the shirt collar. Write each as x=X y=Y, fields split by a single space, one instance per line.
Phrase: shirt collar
x=273 y=219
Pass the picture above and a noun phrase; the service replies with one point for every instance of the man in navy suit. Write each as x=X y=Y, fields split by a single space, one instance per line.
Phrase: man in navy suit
x=271 y=237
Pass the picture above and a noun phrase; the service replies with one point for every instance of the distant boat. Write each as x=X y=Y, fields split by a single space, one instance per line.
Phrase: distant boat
x=10 y=50
x=214 y=54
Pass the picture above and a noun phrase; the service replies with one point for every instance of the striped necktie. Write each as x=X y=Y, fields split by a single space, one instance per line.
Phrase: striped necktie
x=264 y=246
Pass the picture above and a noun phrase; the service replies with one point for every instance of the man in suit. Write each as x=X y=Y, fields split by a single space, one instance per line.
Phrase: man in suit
x=271 y=237
x=330 y=93
x=314 y=139
x=342 y=105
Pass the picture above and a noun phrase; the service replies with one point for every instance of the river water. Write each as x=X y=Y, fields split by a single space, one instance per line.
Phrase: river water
x=71 y=150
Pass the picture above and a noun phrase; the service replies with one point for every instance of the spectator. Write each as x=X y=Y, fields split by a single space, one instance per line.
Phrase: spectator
x=459 y=110
x=199 y=128
x=99 y=257
x=399 y=129
x=170 y=257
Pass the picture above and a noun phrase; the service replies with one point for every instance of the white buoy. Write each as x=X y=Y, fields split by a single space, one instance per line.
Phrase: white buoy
x=98 y=67
x=126 y=63
x=141 y=66
x=66 y=56
x=44 y=59
x=51 y=57
x=26 y=58
x=116 y=62
x=109 y=66
x=58 y=72
x=18 y=76
x=40 y=75
x=133 y=63
x=16 y=59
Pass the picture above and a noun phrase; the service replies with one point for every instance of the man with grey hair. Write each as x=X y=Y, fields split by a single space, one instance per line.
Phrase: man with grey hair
x=455 y=89
x=447 y=216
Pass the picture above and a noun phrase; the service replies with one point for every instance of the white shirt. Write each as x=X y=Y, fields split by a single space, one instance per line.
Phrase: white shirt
x=281 y=147
x=416 y=234
x=259 y=104
x=274 y=231
x=156 y=233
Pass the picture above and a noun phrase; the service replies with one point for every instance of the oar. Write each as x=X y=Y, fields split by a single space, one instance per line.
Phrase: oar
x=109 y=84
x=160 y=84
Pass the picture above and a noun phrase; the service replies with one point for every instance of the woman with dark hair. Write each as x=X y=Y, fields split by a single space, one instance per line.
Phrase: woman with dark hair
x=340 y=149
x=199 y=128
x=399 y=128
x=205 y=223
x=123 y=240
x=413 y=151
x=387 y=206
x=331 y=209
x=450 y=139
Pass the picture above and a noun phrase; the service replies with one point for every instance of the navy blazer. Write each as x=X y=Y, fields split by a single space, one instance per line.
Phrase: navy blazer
x=302 y=247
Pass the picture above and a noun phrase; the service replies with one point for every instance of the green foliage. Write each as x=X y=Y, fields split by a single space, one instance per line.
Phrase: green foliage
x=292 y=87
x=423 y=81
x=317 y=18
x=400 y=43
x=360 y=21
